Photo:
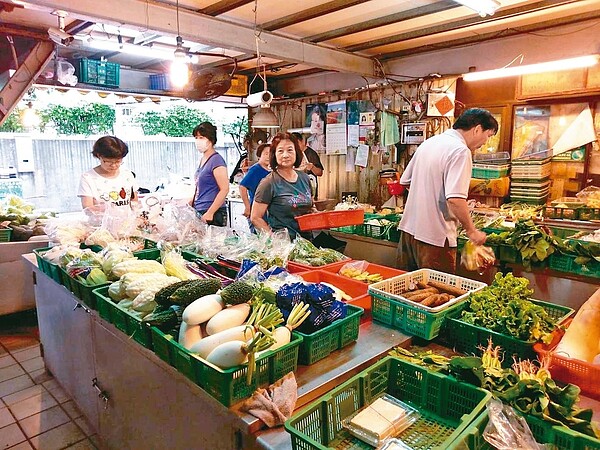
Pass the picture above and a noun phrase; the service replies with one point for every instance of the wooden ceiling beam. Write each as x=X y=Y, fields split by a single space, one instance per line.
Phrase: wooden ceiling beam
x=24 y=76
x=310 y=13
x=455 y=25
x=77 y=26
x=212 y=31
x=14 y=30
x=577 y=18
x=223 y=6
x=382 y=21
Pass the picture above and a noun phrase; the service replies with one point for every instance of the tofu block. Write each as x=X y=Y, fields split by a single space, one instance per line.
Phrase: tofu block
x=378 y=418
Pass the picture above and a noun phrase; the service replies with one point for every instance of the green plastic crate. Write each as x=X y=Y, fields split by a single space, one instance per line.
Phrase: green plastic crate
x=320 y=344
x=558 y=212
x=566 y=263
x=558 y=437
x=489 y=171
x=228 y=386
x=387 y=306
x=103 y=73
x=124 y=320
x=52 y=270
x=349 y=229
x=81 y=290
x=586 y=213
x=468 y=338
x=447 y=407
x=5 y=234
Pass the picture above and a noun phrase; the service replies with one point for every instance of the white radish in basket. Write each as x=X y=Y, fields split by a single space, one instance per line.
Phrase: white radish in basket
x=202 y=309
x=266 y=316
x=228 y=318
x=235 y=353
x=189 y=335
x=283 y=335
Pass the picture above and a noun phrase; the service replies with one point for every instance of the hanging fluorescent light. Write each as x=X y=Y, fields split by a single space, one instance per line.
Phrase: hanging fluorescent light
x=481 y=7
x=550 y=66
x=265 y=118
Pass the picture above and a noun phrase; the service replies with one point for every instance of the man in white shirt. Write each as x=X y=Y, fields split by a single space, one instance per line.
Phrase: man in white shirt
x=438 y=177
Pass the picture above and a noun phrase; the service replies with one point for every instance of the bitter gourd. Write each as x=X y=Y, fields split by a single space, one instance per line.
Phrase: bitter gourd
x=194 y=290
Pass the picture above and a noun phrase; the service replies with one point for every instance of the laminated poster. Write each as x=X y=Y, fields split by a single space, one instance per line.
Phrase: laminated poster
x=362 y=155
x=316 y=114
x=337 y=142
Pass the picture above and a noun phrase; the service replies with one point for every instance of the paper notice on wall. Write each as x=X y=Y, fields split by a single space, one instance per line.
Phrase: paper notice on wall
x=337 y=142
x=362 y=156
x=579 y=133
x=353 y=135
x=350 y=159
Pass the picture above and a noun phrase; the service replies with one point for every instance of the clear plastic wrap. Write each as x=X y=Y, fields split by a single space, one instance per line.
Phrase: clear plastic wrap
x=506 y=430
x=383 y=418
x=67 y=230
x=590 y=195
x=477 y=257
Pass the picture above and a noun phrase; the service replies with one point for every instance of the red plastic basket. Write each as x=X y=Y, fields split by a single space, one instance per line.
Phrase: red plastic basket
x=351 y=287
x=569 y=370
x=330 y=219
x=296 y=267
x=384 y=271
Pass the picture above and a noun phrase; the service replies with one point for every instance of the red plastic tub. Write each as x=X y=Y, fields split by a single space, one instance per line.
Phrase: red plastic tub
x=330 y=219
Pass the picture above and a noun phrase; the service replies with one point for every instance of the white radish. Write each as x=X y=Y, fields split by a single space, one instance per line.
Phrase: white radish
x=202 y=309
x=228 y=318
x=189 y=335
x=229 y=354
x=283 y=335
x=206 y=345
x=234 y=353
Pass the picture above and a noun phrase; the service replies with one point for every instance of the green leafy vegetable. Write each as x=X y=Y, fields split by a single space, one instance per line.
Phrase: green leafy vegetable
x=505 y=307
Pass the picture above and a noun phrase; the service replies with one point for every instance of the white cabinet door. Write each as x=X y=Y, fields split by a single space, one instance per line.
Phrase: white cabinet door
x=150 y=405
x=66 y=336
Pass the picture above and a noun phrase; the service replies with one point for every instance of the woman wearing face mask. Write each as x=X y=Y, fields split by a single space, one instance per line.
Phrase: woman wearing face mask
x=285 y=193
x=212 y=183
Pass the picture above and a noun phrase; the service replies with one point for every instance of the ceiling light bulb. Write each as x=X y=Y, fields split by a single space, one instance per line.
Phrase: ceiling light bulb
x=179 y=72
x=482 y=7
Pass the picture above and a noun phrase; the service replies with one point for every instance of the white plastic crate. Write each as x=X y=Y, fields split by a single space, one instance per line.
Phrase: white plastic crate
x=392 y=288
x=531 y=171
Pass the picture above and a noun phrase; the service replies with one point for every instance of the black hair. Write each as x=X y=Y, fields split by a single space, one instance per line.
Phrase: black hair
x=110 y=147
x=275 y=142
x=476 y=116
x=298 y=136
x=207 y=130
x=260 y=149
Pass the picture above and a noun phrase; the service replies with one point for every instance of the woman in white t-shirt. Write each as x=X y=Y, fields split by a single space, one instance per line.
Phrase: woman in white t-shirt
x=108 y=182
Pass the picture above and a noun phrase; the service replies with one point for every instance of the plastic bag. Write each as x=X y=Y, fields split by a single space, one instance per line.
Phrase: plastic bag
x=506 y=430
x=477 y=257
x=590 y=195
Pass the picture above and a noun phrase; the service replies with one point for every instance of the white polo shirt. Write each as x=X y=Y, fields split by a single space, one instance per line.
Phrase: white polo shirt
x=440 y=169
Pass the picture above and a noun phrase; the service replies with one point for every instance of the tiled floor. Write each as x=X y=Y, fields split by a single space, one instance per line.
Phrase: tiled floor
x=35 y=412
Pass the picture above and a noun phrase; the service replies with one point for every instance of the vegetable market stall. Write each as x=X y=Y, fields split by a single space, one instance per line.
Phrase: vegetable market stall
x=113 y=379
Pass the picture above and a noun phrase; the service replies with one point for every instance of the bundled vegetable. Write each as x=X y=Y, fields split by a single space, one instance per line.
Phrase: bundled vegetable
x=306 y=253
x=175 y=265
x=477 y=257
x=526 y=386
x=504 y=307
x=283 y=335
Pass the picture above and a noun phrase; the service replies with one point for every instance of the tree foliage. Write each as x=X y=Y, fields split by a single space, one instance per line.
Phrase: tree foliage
x=13 y=124
x=93 y=118
x=176 y=121
x=238 y=130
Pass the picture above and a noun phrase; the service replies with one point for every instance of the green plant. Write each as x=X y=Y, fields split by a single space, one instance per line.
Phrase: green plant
x=238 y=130
x=176 y=121
x=93 y=118
x=12 y=124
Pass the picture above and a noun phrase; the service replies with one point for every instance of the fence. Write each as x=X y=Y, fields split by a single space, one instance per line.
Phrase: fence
x=52 y=178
